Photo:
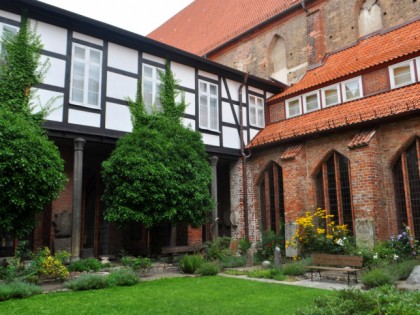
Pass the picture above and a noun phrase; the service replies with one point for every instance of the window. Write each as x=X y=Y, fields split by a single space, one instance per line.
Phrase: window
x=293 y=107
x=256 y=111
x=401 y=74
x=151 y=88
x=331 y=96
x=86 y=76
x=352 y=89
x=406 y=176
x=6 y=30
x=333 y=189
x=272 y=199
x=311 y=102
x=209 y=109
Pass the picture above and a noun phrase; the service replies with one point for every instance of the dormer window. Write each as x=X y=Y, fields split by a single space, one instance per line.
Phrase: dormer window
x=331 y=96
x=352 y=89
x=293 y=107
x=256 y=111
x=401 y=74
x=311 y=102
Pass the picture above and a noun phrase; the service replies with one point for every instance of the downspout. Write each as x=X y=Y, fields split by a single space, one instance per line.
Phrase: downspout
x=304 y=6
x=244 y=157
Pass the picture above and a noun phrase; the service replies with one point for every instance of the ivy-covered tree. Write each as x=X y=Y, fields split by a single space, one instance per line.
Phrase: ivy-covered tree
x=31 y=168
x=160 y=171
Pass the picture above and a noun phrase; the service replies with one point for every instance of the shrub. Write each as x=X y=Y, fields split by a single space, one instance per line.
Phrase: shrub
x=86 y=264
x=295 y=268
x=384 y=300
x=17 y=290
x=123 y=277
x=87 y=282
x=190 y=263
x=403 y=269
x=265 y=248
x=243 y=245
x=219 y=248
x=47 y=265
x=208 y=269
x=233 y=261
x=137 y=263
x=274 y=273
x=377 y=277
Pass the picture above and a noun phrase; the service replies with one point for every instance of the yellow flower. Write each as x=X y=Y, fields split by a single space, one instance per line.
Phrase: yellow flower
x=320 y=231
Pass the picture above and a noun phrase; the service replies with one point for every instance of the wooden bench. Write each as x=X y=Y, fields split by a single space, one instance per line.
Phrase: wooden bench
x=345 y=263
x=181 y=249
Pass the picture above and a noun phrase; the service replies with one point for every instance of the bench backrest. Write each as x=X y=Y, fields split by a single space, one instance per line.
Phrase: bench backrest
x=337 y=260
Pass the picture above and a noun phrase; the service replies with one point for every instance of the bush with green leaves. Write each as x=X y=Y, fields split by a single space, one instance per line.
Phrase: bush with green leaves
x=265 y=248
x=273 y=273
x=159 y=172
x=218 y=249
x=243 y=245
x=123 y=277
x=15 y=290
x=377 y=277
x=383 y=300
x=88 y=282
x=141 y=264
x=233 y=261
x=403 y=269
x=85 y=264
x=296 y=268
x=190 y=263
x=208 y=269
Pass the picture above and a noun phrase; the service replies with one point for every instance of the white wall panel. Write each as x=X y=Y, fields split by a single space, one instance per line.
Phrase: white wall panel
x=253 y=133
x=56 y=72
x=208 y=75
x=185 y=74
x=231 y=138
x=190 y=100
x=84 y=118
x=227 y=114
x=122 y=58
x=233 y=89
x=154 y=58
x=251 y=88
x=211 y=139
x=120 y=86
x=188 y=123
x=52 y=99
x=118 y=117
x=53 y=38
x=88 y=38
x=10 y=16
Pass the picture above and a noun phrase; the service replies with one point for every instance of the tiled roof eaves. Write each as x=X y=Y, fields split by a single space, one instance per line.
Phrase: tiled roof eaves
x=296 y=89
x=380 y=112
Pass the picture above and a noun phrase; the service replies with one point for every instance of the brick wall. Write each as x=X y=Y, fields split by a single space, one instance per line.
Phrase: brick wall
x=370 y=169
x=276 y=112
x=376 y=81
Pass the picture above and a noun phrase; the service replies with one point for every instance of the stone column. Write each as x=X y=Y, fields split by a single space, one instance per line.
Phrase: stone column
x=214 y=221
x=77 y=198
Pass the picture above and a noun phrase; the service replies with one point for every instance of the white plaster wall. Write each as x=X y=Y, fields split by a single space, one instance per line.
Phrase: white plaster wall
x=122 y=58
x=53 y=100
x=208 y=75
x=154 y=58
x=56 y=72
x=120 y=86
x=118 y=117
x=10 y=16
x=253 y=89
x=233 y=89
x=53 y=38
x=88 y=38
x=185 y=74
x=211 y=139
x=253 y=133
x=190 y=100
x=84 y=118
x=189 y=123
x=227 y=114
x=231 y=138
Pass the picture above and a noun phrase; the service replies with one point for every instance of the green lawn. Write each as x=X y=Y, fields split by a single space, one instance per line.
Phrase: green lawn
x=197 y=295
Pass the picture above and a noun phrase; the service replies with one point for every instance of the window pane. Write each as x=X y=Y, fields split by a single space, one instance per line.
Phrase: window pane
x=203 y=87
x=148 y=72
x=214 y=119
x=294 y=108
x=311 y=102
x=148 y=101
x=9 y=30
x=213 y=89
x=95 y=56
x=352 y=90
x=260 y=102
x=93 y=98
x=402 y=75
x=77 y=95
x=147 y=86
x=331 y=97
x=79 y=52
x=260 y=118
x=252 y=100
x=252 y=115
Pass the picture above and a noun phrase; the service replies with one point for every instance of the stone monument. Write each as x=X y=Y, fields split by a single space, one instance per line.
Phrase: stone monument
x=62 y=227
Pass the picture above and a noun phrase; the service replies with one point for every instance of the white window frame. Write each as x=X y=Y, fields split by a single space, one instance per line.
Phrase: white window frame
x=324 y=97
x=343 y=89
x=304 y=96
x=87 y=63
x=287 y=106
x=209 y=96
x=258 y=105
x=418 y=68
x=401 y=64
x=155 y=80
x=2 y=25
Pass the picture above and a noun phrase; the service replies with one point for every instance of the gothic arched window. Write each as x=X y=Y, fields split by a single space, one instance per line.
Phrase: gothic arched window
x=370 y=17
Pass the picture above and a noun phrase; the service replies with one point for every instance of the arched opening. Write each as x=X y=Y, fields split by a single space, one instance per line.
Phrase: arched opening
x=406 y=177
x=333 y=191
x=277 y=54
x=272 y=199
x=370 y=17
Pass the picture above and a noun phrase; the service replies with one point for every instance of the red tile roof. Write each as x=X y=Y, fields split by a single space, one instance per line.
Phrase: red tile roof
x=362 y=139
x=367 y=53
x=206 y=24
x=291 y=152
x=395 y=102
